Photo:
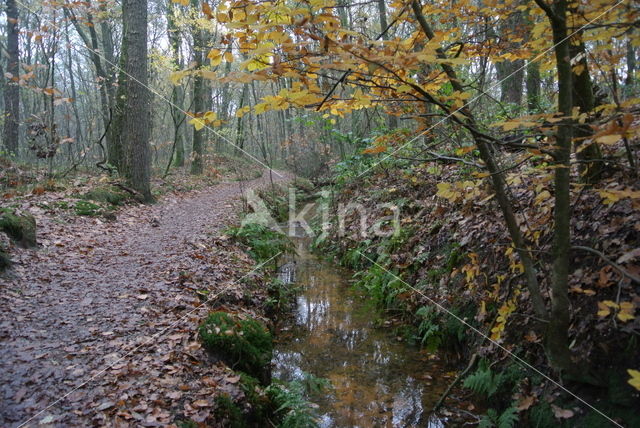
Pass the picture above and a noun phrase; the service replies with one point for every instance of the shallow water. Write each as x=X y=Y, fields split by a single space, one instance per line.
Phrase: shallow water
x=377 y=380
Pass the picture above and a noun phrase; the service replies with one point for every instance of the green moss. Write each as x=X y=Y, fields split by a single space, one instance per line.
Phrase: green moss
x=108 y=195
x=20 y=228
x=245 y=344
x=87 y=208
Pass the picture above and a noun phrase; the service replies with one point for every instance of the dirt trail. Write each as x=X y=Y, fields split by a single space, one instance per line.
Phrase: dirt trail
x=87 y=297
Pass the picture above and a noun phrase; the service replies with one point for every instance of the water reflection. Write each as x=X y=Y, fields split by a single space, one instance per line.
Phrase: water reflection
x=377 y=381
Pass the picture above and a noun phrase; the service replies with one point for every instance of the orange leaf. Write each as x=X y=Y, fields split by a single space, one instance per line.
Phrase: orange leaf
x=375 y=149
x=206 y=9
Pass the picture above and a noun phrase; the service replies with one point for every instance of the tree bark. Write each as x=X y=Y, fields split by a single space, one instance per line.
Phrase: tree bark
x=533 y=87
x=392 y=120
x=136 y=121
x=177 y=93
x=583 y=97
x=557 y=334
x=12 y=89
x=631 y=62
x=197 y=163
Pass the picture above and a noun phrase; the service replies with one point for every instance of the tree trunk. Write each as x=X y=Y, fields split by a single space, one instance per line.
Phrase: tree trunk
x=631 y=61
x=557 y=334
x=533 y=87
x=582 y=96
x=177 y=93
x=392 y=121
x=136 y=120
x=197 y=164
x=12 y=89
x=497 y=177
x=511 y=73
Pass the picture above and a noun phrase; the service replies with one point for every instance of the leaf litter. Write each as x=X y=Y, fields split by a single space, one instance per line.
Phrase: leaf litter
x=100 y=322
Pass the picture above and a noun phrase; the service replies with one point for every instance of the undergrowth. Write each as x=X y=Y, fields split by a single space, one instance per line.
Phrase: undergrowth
x=264 y=244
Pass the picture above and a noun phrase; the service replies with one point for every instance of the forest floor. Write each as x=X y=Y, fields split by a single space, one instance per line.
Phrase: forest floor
x=99 y=324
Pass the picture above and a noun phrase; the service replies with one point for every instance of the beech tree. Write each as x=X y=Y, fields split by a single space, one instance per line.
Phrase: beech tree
x=12 y=89
x=135 y=118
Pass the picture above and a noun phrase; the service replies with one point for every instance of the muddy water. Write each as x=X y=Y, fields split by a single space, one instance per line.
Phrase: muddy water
x=377 y=381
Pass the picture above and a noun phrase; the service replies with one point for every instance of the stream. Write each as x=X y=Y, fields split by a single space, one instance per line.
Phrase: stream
x=377 y=380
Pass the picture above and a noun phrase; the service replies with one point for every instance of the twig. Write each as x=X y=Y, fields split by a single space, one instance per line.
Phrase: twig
x=616 y=266
x=443 y=397
x=346 y=73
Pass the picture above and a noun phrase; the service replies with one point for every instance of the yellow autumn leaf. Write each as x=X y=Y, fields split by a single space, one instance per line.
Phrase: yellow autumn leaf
x=634 y=380
x=176 y=77
x=182 y=2
x=215 y=56
x=603 y=310
x=260 y=108
x=228 y=56
x=627 y=311
x=197 y=123
x=608 y=139
x=445 y=191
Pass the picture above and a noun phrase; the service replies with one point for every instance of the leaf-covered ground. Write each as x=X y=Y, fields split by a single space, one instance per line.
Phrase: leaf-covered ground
x=99 y=322
x=453 y=248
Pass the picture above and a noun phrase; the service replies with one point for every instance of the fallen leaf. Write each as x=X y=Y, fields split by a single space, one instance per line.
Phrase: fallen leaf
x=526 y=402
x=106 y=405
x=561 y=413
x=634 y=380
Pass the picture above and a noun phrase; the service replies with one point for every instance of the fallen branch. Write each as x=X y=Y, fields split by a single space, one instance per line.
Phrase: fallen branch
x=444 y=396
x=615 y=265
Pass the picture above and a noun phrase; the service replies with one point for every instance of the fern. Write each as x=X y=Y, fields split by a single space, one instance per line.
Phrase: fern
x=484 y=381
x=506 y=419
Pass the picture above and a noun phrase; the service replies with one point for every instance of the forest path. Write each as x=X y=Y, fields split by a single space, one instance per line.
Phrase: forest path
x=93 y=292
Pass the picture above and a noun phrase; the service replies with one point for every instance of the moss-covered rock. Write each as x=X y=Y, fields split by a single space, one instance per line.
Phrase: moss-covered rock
x=5 y=260
x=87 y=208
x=21 y=228
x=109 y=195
x=244 y=344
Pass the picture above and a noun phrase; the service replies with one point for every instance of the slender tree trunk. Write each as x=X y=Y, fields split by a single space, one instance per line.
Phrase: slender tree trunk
x=136 y=122
x=631 y=61
x=197 y=164
x=557 y=334
x=177 y=93
x=239 y=124
x=12 y=89
x=533 y=87
x=499 y=185
x=582 y=96
x=511 y=73
x=392 y=120
x=72 y=81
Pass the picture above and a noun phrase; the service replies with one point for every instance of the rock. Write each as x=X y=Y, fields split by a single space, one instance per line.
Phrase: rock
x=21 y=228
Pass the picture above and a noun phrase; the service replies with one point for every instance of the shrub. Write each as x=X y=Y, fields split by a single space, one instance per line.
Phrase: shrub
x=228 y=412
x=245 y=344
